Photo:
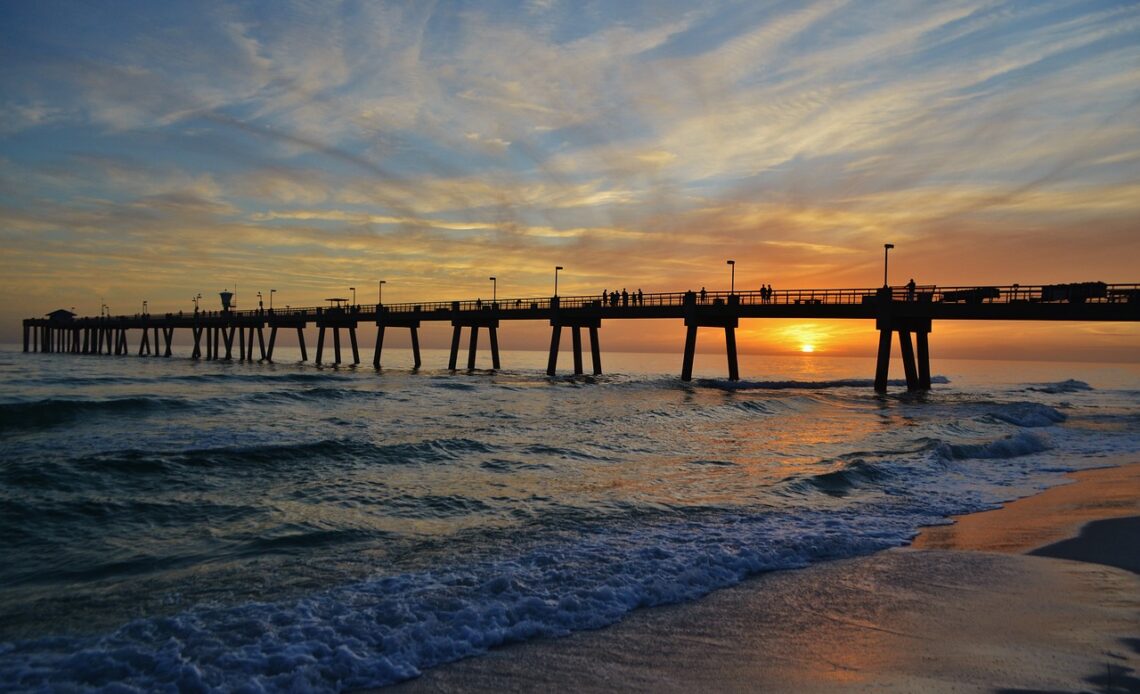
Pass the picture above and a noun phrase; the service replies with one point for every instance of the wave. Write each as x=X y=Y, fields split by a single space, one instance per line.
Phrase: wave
x=384 y=630
x=336 y=450
x=807 y=385
x=316 y=393
x=323 y=376
x=45 y=414
x=1028 y=414
x=841 y=482
x=1021 y=443
x=1060 y=387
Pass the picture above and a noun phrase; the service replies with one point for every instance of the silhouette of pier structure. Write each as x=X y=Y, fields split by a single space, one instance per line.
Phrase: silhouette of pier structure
x=907 y=312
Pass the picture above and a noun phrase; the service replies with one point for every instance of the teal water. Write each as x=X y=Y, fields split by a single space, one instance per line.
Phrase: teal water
x=168 y=523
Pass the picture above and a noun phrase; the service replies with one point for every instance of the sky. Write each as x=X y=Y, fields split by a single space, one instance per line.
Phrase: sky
x=158 y=150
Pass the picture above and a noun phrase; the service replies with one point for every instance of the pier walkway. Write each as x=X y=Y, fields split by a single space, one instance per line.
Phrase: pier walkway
x=907 y=312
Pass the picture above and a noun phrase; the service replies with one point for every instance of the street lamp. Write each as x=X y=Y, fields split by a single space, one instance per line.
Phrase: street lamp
x=260 y=301
x=353 y=290
x=494 y=289
x=732 y=290
x=556 y=269
x=886 y=250
x=144 y=307
x=380 y=292
x=271 y=293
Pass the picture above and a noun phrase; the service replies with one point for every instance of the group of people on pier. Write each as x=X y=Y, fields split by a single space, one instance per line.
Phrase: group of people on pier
x=622 y=298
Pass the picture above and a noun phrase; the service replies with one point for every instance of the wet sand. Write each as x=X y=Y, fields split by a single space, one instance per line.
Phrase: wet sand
x=992 y=603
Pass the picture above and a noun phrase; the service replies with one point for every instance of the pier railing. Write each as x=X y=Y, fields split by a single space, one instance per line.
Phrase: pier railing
x=1083 y=292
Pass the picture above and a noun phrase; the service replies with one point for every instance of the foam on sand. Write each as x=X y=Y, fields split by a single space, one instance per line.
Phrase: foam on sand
x=903 y=619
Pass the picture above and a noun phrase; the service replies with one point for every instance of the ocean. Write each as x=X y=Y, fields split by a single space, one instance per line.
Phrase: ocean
x=168 y=524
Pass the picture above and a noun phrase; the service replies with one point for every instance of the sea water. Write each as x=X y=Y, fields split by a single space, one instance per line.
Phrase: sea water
x=178 y=524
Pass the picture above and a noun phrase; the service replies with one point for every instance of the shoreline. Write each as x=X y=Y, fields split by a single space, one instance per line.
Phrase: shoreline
x=992 y=602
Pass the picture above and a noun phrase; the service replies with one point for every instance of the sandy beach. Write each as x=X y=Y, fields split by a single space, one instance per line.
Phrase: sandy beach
x=1040 y=595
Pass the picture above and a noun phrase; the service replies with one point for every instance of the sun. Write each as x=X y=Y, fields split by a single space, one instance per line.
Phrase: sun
x=807 y=349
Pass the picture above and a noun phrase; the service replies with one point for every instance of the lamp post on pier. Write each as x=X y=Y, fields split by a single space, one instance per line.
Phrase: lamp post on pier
x=732 y=285
x=494 y=290
x=271 y=293
x=196 y=299
x=556 y=269
x=380 y=292
x=353 y=290
x=886 y=252
x=144 y=307
x=260 y=302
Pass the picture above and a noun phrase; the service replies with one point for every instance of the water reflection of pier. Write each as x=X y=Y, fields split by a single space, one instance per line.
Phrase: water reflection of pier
x=907 y=312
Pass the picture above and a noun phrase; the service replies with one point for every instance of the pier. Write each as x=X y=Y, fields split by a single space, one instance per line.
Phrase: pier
x=907 y=313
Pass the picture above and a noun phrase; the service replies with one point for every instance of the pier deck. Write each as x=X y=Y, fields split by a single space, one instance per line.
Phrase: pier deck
x=906 y=311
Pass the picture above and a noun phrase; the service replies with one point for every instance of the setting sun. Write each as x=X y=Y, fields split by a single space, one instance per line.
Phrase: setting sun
x=807 y=348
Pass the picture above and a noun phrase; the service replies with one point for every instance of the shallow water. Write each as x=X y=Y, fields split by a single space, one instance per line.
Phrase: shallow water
x=240 y=526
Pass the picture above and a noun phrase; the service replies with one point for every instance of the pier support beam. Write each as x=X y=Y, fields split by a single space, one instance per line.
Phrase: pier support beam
x=882 y=364
x=575 y=323
x=595 y=350
x=494 y=334
x=906 y=349
x=454 y=356
x=555 y=338
x=576 y=348
x=355 y=349
x=301 y=342
x=923 y=340
x=229 y=340
x=473 y=323
x=379 y=347
x=416 y=348
x=730 y=351
x=472 y=347
x=320 y=344
x=382 y=325
x=717 y=315
x=916 y=365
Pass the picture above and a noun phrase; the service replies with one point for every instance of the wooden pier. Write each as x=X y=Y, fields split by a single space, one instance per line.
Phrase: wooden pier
x=908 y=312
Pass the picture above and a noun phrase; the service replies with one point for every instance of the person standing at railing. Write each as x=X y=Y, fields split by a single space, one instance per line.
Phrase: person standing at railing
x=640 y=297
x=910 y=290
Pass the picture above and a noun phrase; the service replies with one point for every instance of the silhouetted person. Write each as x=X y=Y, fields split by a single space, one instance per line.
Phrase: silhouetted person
x=624 y=298
x=640 y=297
x=704 y=295
x=605 y=295
x=910 y=290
